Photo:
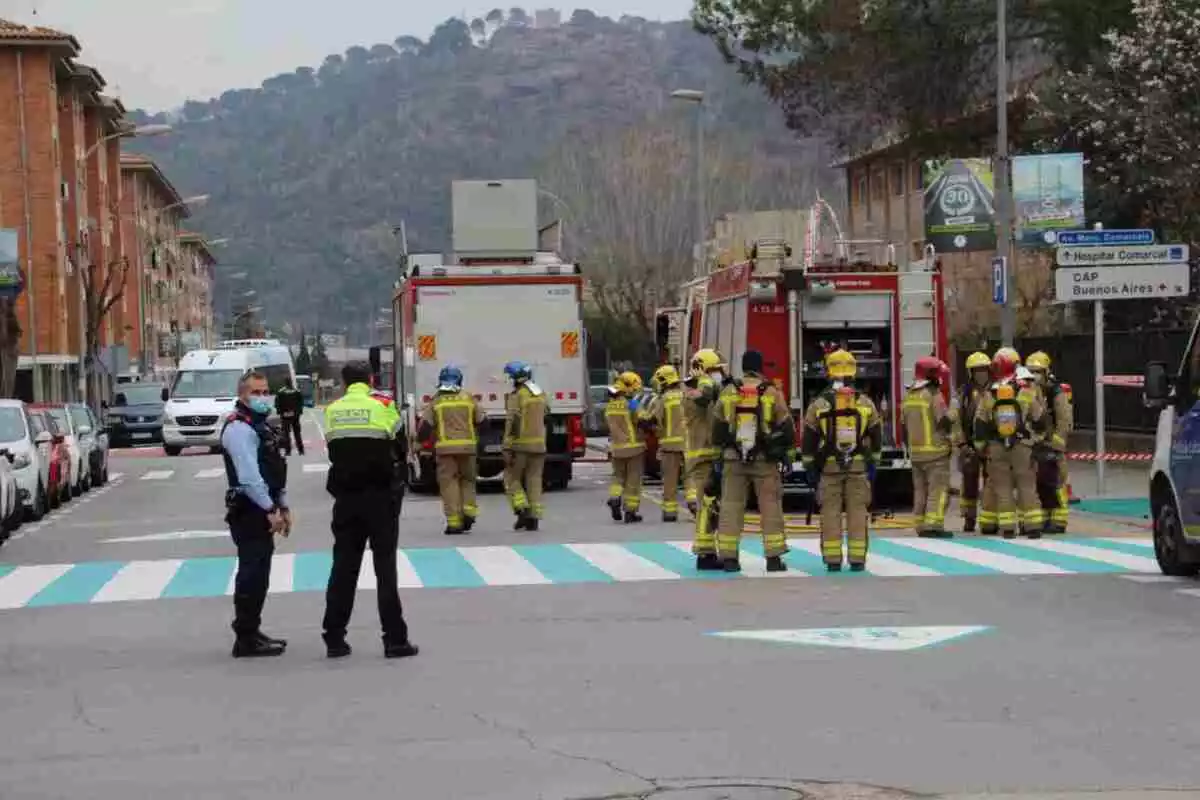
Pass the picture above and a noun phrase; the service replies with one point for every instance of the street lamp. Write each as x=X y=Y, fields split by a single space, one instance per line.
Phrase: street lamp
x=1004 y=204
x=696 y=96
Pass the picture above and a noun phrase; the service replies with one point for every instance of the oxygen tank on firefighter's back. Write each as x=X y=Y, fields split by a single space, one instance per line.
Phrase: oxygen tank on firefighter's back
x=845 y=436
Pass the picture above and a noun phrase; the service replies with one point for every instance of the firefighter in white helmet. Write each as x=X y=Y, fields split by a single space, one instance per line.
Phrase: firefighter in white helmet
x=840 y=449
x=928 y=425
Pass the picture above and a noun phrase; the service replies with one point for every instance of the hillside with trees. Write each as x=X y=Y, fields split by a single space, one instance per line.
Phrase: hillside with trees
x=310 y=173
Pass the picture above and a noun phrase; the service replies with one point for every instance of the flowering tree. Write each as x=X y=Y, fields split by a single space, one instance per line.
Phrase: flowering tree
x=1135 y=114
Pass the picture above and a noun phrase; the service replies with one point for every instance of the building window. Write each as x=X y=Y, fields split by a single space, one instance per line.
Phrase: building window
x=877 y=187
x=918 y=176
x=860 y=190
x=897 y=179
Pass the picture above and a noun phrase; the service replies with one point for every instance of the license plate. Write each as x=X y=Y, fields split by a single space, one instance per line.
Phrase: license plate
x=142 y=436
x=494 y=448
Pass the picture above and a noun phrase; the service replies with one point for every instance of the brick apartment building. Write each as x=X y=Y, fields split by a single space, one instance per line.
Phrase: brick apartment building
x=80 y=208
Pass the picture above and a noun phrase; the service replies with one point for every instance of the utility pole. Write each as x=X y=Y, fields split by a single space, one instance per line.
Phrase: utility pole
x=1004 y=224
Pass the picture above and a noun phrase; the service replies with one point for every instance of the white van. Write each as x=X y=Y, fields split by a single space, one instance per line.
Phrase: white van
x=204 y=390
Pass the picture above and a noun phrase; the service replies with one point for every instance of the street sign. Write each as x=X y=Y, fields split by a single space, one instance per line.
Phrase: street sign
x=892 y=639
x=1132 y=236
x=1118 y=255
x=999 y=280
x=1121 y=283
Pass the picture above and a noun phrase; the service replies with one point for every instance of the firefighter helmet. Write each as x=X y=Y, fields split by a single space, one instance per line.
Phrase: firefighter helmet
x=1005 y=363
x=841 y=365
x=928 y=368
x=629 y=382
x=450 y=377
x=1038 y=361
x=978 y=361
x=666 y=375
x=706 y=361
x=518 y=371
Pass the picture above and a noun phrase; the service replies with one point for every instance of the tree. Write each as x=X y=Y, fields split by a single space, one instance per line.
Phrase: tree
x=479 y=30
x=452 y=36
x=518 y=17
x=103 y=288
x=1134 y=113
x=357 y=55
x=858 y=71
x=320 y=359
x=408 y=44
x=304 y=364
x=382 y=52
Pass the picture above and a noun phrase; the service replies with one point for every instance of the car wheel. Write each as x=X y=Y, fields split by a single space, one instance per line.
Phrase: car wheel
x=171 y=450
x=38 y=510
x=1175 y=556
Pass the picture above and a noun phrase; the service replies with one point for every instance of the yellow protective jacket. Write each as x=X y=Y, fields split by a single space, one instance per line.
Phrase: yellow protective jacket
x=624 y=435
x=526 y=408
x=699 y=409
x=928 y=424
x=841 y=425
x=1062 y=416
x=454 y=418
x=666 y=411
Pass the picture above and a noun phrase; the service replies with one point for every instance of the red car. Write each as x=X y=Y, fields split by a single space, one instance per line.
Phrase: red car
x=59 y=489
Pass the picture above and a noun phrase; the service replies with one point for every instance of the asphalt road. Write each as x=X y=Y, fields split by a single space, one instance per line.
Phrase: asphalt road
x=577 y=662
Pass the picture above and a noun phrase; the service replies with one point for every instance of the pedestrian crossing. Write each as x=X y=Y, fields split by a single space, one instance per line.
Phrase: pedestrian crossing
x=211 y=473
x=473 y=567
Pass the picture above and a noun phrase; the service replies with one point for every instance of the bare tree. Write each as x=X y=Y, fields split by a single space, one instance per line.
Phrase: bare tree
x=103 y=288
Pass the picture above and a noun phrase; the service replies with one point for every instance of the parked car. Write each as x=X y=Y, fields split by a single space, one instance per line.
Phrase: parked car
x=93 y=441
x=27 y=443
x=52 y=443
x=79 y=481
x=135 y=415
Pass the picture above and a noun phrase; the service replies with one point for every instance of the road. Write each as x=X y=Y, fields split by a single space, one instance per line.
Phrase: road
x=578 y=661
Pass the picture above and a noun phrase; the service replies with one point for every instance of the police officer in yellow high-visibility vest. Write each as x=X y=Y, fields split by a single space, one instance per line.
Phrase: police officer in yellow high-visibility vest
x=524 y=445
x=755 y=431
x=700 y=394
x=367 y=452
x=928 y=424
x=666 y=413
x=840 y=449
x=1051 y=452
x=626 y=447
x=451 y=419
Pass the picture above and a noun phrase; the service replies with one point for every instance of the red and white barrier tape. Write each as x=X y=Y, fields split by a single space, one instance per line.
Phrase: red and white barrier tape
x=1111 y=457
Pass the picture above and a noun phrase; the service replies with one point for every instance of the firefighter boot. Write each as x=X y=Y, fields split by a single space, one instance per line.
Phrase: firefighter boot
x=632 y=517
x=669 y=516
x=468 y=522
x=708 y=562
x=525 y=521
x=614 y=506
x=775 y=564
x=731 y=565
x=455 y=530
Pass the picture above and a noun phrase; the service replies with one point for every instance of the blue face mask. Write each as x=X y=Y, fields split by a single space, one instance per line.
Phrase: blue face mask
x=259 y=405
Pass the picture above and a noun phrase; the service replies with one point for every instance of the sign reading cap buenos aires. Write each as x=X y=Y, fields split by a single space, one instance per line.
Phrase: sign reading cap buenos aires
x=960 y=210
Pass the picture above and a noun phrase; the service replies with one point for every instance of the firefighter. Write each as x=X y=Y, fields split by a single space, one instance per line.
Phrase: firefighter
x=701 y=390
x=452 y=419
x=665 y=412
x=1051 y=453
x=524 y=445
x=970 y=461
x=626 y=447
x=840 y=449
x=928 y=425
x=755 y=430
x=1007 y=422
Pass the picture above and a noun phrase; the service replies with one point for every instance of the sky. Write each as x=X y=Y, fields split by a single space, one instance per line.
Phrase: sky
x=157 y=53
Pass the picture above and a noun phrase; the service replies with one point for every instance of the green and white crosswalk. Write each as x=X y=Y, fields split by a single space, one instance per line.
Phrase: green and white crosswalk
x=97 y=582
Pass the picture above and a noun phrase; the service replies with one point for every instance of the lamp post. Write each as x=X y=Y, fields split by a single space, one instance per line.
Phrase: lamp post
x=86 y=259
x=696 y=96
x=1004 y=201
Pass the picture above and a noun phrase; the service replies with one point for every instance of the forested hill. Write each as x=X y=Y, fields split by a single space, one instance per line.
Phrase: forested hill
x=309 y=173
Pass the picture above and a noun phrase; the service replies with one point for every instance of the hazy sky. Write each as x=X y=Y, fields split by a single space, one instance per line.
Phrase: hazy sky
x=157 y=53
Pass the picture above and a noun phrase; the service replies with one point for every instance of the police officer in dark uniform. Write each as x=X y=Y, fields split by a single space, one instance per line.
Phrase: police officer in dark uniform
x=366 y=478
x=256 y=504
x=289 y=403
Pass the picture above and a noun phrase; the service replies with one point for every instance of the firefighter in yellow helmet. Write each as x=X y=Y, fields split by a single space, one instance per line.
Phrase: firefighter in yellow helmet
x=755 y=430
x=665 y=413
x=451 y=419
x=700 y=393
x=1007 y=424
x=970 y=462
x=928 y=425
x=841 y=446
x=626 y=447
x=1051 y=452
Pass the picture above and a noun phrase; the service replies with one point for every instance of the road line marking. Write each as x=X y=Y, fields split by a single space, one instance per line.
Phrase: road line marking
x=1151 y=578
x=1189 y=592
x=21 y=585
x=318 y=467
x=366 y=573
x=1007 y=564
x=158 y=474
x=621 y=564
x=283 y=573
x=1131 y=541
x=215 y=472
x=1116 y=559
x=406 y=573
x=139 y=580
x=502 y=566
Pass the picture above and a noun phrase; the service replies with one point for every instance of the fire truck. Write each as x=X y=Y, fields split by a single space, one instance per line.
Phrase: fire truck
x=796 y=308
x=498 y=297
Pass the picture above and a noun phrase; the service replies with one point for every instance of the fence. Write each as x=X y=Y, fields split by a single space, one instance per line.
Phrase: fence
x=1073 y=359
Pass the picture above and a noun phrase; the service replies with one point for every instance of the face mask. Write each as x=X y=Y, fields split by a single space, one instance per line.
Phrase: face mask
x=838 y=384
x=717 y=375
x=259 y=405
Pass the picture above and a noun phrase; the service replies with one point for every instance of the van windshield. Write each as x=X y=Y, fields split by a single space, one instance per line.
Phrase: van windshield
x=138 y=394
x=206 y=383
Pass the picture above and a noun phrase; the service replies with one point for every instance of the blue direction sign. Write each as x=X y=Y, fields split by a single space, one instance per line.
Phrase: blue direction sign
x=1132 y=236
x=999 y=280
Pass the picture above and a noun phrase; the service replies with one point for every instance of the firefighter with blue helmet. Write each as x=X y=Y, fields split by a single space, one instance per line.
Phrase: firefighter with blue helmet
x=526 y=410
x=452 y=419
